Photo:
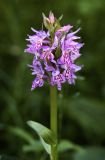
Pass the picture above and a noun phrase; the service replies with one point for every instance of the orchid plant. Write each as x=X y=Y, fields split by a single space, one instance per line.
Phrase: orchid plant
x=54 y=53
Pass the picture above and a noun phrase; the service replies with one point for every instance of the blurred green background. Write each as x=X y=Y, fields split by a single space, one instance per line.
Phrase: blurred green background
x=81 y=107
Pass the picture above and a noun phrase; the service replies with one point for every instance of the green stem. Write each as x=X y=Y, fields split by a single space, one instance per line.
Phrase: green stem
x=53 y=119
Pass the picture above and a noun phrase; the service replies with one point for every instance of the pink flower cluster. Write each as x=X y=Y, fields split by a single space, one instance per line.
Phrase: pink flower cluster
x=54 y=54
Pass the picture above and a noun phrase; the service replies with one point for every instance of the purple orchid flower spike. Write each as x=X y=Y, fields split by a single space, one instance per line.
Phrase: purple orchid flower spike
x=55 y=52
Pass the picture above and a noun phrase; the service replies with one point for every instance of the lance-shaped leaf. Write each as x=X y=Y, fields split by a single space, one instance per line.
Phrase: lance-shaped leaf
x=66 y=145
x=47 y=137
x=22 y=134
x=37 y=147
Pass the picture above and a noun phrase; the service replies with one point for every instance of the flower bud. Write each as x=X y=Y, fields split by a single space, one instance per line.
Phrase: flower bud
x=51 y=18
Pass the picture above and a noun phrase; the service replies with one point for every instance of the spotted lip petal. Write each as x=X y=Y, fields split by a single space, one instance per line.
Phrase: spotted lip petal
x=57 y=79
x=38 y=82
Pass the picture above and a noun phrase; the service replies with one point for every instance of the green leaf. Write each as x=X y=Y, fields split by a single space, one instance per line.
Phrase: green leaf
x=89 y=114
x=22 y=134
x=92 y=153
x=33 y=146
x=47 y=137
x=65 y=145
x=7 y=157
x=37 y=147
x=47 y=147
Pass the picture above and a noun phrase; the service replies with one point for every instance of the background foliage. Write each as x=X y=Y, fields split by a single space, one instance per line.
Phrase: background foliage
x=81 y=107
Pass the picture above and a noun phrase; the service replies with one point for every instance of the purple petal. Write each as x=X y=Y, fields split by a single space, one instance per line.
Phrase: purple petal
x=38 y=82
x=73 y=33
